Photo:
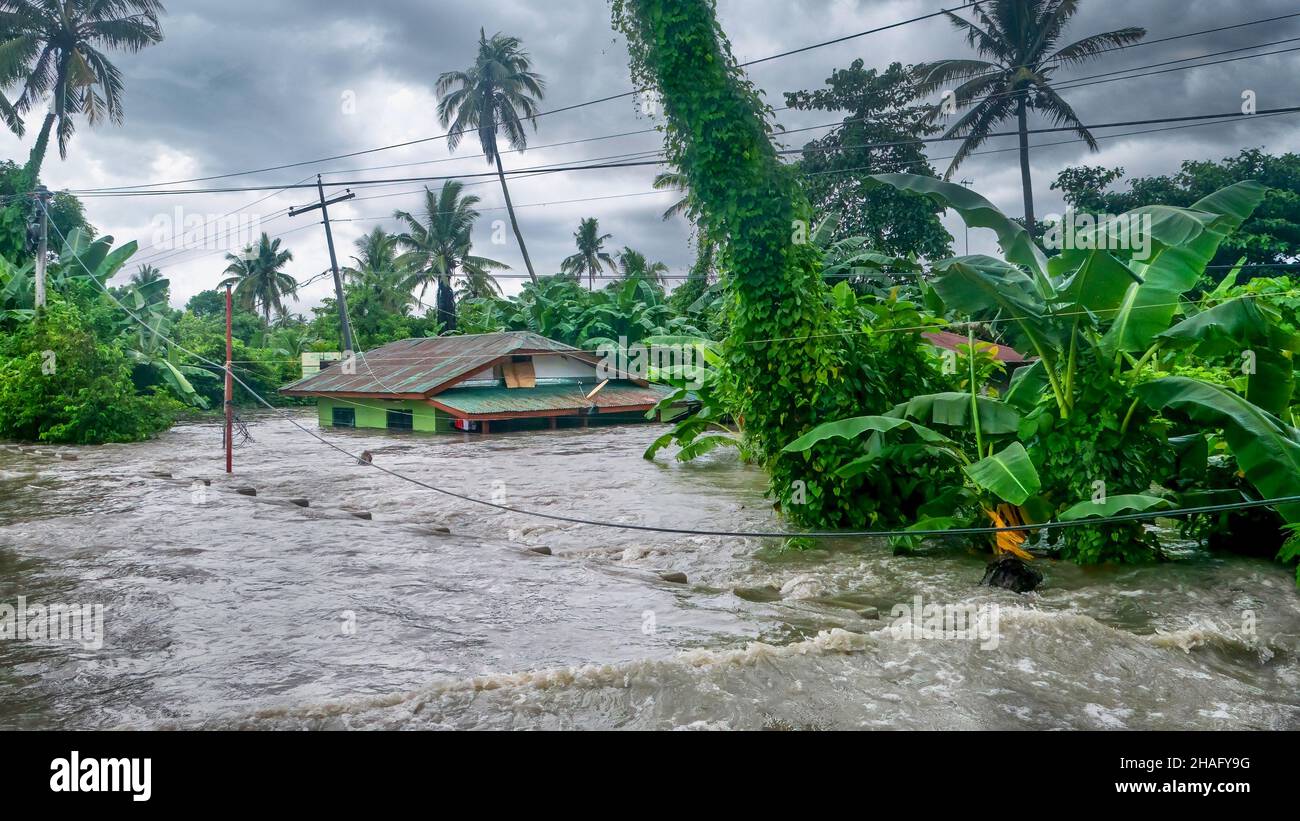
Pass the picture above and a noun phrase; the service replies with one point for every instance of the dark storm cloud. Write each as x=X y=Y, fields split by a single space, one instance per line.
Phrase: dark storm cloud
x=241 y=85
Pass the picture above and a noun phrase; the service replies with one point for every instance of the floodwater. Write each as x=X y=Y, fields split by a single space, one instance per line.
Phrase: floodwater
x=228 y=611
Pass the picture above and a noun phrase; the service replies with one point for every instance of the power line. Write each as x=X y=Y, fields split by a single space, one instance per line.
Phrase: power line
x=1136 y=72
x=925 y=162
x=637 y=164
x=917 y=533
x=652 y=130
x=1058 y=62
x=533 y=117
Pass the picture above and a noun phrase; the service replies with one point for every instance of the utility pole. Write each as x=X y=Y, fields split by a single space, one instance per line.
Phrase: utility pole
x=230 y=384
x=345 y=326
x=43 y=244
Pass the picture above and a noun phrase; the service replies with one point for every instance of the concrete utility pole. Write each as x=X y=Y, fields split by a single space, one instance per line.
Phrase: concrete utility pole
x=345 y=326
x=230 y=383
x=43 y=244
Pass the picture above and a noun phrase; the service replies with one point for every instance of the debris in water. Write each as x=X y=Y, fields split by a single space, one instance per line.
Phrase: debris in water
x=544 y=551
x=1012 y=574
x=246 y=491
x=300 y=502
x=365 y=458
x=870 y=613
x=675 y=578
x=758 y=594
x=361 y=514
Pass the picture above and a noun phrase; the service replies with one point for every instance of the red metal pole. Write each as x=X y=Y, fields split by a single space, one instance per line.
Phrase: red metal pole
x=230 y=387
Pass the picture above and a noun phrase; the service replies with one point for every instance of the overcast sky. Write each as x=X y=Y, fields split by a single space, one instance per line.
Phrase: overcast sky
x=246 y=84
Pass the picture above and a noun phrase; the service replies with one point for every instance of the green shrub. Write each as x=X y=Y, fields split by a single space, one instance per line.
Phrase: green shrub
x=60 y=383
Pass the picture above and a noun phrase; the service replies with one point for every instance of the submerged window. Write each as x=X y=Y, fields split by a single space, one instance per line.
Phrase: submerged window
x=401 y=420
x=345 y=417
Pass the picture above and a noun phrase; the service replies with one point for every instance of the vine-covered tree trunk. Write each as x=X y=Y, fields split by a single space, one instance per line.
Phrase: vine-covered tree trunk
x=718 y=138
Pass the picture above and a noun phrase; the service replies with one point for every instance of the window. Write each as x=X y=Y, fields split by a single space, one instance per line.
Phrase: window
x=345 y=417
x=401 y=420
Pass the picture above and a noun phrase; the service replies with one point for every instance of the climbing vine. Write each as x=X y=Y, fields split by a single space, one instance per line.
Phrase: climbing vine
x=794 y=367
x=717 y=135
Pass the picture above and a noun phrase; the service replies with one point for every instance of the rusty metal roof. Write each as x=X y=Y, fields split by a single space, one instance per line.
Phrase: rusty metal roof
x=423 y=367
x=570 y=398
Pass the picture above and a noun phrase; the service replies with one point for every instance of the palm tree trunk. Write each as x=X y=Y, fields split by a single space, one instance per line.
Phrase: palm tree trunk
x=1025 y=180
x=514 y=223
x=37 y=158
x=446 y=305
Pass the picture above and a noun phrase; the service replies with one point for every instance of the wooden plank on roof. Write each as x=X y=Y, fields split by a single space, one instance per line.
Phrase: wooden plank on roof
x=526 y=374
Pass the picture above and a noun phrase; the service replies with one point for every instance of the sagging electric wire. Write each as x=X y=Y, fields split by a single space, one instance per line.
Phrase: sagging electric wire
x=917 y=533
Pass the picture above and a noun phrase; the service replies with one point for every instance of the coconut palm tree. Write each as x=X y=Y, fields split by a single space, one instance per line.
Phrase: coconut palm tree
x=675 y=181
x=495 y=96
x=260 y=283
x=591 y=259
x=1019 y=39
x=440 y=248
x=377 y=267
x=149 y=281
x=634 y=265
x=146 y=275
x=476 y=282
x=55 y=49
x=686 y=207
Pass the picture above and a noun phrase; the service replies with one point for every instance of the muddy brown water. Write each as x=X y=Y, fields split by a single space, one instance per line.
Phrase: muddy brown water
x=229 y=611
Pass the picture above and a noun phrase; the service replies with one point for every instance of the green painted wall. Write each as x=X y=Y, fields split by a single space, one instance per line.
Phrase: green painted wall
x=373 y=413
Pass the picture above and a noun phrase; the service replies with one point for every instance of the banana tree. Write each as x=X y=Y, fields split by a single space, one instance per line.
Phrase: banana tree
x=1001 y=484
x=147 y=348
x=1097 y=299
x=1115 y=314
x=711 y=420
x=16 y=288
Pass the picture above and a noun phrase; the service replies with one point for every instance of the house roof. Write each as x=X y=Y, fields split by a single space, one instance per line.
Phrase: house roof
x=419 y=368
x=547 y=400
x=949 y=341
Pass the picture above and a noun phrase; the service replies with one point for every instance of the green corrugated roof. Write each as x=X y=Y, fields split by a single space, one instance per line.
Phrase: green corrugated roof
x=422 y=366
x=572 y=397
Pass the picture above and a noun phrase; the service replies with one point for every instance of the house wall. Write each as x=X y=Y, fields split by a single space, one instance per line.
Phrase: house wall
x=551 y=367
x=373 y=413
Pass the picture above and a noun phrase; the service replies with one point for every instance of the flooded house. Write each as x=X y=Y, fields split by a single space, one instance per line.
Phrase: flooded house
x=484 y=383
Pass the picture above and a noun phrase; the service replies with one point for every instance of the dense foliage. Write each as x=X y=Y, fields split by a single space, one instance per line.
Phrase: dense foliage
x=1271 y=234
x=1085 y=431
x=882 y=121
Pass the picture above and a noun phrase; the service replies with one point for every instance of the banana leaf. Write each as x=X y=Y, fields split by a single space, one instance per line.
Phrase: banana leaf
x=1266 y=449
x=1028 y=384
x=1180 y=254
x=1096 y=283
x=1114 y=506
x=1243 y=327
x=858 y=425
x=1008 y=474
x=953 y=410
x=978 y=212
x=977 y=283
